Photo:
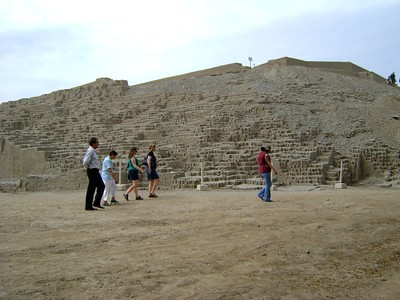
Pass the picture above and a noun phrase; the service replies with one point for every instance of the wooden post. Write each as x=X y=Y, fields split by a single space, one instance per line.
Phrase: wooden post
x=340 y=185
x=120 y=186
x=202 y=186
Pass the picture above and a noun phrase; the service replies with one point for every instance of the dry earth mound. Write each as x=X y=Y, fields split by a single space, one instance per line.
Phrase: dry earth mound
x=314 y=116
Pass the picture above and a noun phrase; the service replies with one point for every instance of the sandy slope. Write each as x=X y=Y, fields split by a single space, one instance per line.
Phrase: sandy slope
x=308 y=244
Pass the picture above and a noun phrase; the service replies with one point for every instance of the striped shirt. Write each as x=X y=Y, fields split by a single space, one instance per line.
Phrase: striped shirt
x=91 y=160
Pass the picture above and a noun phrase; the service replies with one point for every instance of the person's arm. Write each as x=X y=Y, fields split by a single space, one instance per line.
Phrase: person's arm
x=268 y=160
x=149 y=163
x=113 y=175
x=133 y=161
x=87 y=158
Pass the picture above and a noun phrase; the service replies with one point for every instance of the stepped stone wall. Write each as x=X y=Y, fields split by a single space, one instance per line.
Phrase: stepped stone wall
x=344 y=68
x=313 y=119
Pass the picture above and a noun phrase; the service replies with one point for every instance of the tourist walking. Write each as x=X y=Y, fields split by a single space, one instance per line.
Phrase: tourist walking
x=133 y=174
x=91 y=164
x=110 y=179
x=264 y=169
x=151 y=171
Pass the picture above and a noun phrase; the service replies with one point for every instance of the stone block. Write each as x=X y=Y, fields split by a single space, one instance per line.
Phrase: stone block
x=339 y=185
x=202 y=187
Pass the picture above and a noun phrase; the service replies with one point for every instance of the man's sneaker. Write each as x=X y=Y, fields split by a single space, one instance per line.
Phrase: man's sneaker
x=126 y=197
x=153 y=196
x=114 y=201
x=106 y=203
x=139 y=198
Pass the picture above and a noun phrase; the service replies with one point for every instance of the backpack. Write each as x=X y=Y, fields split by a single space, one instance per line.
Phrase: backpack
x=144 y=162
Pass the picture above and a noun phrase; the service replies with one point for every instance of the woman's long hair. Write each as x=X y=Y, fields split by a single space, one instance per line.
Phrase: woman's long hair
x=132 y=152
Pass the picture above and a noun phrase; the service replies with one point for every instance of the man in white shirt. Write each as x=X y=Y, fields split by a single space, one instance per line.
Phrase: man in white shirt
x=110 y=179
x=91 y=164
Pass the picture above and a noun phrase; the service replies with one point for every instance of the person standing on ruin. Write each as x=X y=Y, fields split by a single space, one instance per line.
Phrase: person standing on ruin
x=391 y=79
x=264 y=169
x=91 y=164
x=133 y=174
x=110 y=179
x=151 y=171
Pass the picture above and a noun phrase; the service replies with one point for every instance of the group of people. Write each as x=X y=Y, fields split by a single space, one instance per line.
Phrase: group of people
x=134 y=167
x=104 y=183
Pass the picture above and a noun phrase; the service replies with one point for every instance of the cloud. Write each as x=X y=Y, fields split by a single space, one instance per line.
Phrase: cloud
x=49 y=45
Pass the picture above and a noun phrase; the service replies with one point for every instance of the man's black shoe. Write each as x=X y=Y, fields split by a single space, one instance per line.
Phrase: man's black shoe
x=99 y=206
x=91 y=208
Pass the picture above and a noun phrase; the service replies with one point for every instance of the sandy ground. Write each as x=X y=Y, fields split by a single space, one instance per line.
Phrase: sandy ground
x=310 y=243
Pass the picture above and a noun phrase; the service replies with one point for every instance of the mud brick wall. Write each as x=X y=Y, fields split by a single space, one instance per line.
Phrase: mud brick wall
x=313 y=121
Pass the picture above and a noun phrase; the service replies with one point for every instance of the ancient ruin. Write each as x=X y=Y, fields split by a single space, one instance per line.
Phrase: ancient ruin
x=315 y=115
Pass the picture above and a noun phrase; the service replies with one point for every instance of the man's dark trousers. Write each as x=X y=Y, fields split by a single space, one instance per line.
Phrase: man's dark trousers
x=95 y=181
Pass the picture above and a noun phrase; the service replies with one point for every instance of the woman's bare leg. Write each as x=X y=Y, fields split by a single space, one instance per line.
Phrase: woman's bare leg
x=135 y=187
x=154 y=186
x=130 y=188
x=150 y=186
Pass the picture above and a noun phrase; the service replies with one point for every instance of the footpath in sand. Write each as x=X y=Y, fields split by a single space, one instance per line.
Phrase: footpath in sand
x=310 y=243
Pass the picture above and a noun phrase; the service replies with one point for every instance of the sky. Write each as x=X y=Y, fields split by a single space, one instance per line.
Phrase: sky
x=48 y=45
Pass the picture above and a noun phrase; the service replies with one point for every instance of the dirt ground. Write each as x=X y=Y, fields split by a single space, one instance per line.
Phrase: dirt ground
x=310 y=243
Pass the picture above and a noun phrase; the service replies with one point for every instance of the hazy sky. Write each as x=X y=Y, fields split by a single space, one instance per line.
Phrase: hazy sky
x=48 y=45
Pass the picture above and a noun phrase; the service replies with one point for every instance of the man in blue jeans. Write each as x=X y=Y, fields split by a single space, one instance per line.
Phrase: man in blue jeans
x=264 y=169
